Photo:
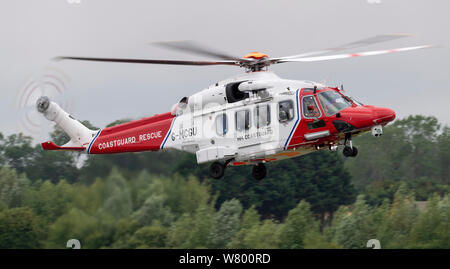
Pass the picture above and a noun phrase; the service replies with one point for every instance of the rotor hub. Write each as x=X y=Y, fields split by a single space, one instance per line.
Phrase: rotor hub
x=42 y=104
x=256 y=55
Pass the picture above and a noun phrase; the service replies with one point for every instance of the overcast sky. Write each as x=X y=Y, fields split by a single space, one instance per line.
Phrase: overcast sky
x=32 y=32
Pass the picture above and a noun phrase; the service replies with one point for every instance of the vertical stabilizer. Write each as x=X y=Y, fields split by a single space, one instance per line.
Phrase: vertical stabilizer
x=80 y=135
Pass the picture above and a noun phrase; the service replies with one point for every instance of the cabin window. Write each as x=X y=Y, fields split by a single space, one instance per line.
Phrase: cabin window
x=221 y=124
x=285 y=110
x=243 y=120
x=310 y=108
x=262 y=115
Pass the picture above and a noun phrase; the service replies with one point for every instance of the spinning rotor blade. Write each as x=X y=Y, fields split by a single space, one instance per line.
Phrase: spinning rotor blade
x=49 y=82
x=350 y=55
x=143 y=61
x=352 y=45
x=189 y=46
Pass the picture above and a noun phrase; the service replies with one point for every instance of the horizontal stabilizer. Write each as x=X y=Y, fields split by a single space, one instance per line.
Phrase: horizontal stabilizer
x=49 y=145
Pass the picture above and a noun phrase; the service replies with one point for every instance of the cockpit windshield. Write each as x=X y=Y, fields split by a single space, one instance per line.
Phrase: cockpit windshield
x=358 y=103
x=332 y=102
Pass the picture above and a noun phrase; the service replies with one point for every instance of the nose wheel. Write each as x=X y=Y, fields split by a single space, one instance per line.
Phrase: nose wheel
x=259 y=171
x=349 y=150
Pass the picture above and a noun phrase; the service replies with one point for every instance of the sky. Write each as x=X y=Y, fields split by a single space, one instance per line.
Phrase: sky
x=33 y=32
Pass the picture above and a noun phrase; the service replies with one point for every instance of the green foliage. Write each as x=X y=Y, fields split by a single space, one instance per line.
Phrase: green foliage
x=75 y=224
x=225 y=223
x=179 y=232
x=318 y=178
x=20 y=228
x=298 y=224
x=250 y=218
x=16 y=152
x=49 y=200
x=402 y=215
x=263 y=236
x=432 y=230
x=117 y=197
x=154 y=209
x=192 y=231
x=166 y=200
x=411 y=148
x=3 y=206
x=154 y=236
x=201 y=229
x=353 y=229
x=12 y=187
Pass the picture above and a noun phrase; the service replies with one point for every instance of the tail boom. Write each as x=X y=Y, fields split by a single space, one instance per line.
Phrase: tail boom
x=148 y=134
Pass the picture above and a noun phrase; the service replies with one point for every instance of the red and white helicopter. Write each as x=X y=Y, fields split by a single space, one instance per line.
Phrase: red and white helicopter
x=250 y=119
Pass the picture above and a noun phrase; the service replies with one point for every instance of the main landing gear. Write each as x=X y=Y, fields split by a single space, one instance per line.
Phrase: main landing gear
x=349 y=150
x=217 y=170
x=259 y=171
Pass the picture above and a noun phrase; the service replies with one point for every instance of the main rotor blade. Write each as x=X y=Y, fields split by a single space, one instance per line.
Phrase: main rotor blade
x=352 y=45
x=351 y=55
x=143 y=61
x=192 y=47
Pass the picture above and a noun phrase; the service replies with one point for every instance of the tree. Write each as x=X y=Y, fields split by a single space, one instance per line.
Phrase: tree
x=154 y=236
x=12 y=187
x=318 y=178
x=179 y=232
x=17 y=152
x=410 y=148
x=298 y=224
x=186 y=195
x=353 y=229
x=49 y=200
x=225 y=223
x=201 y=229
x=117 y=201
x=20 y=228
x=400 y=219
x=250 y=218
x=444 y=154
x=154 y=209
x=75 y=224
x=192 y=230
x=263 y=236
x=432 y=227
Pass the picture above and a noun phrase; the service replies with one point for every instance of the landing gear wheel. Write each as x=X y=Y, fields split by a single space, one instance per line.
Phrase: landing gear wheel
x=259 y=171
x=216 y=170
x=350 y=151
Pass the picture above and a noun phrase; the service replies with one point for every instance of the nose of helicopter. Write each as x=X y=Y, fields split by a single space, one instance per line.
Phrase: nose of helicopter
x=382 y=115
x=362 y=117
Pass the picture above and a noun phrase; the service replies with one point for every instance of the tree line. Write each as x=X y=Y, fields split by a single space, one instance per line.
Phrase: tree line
x=165 y=200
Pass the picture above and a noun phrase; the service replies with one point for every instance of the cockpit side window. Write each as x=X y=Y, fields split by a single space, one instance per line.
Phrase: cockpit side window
x=285 y=110
x=310 y=108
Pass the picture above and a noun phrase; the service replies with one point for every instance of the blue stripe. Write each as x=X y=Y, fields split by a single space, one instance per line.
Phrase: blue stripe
x=296 y=123
x=168 y=134
x=92 y=142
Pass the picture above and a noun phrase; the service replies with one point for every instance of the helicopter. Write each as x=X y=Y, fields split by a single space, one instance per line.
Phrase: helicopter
x=250 y=119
